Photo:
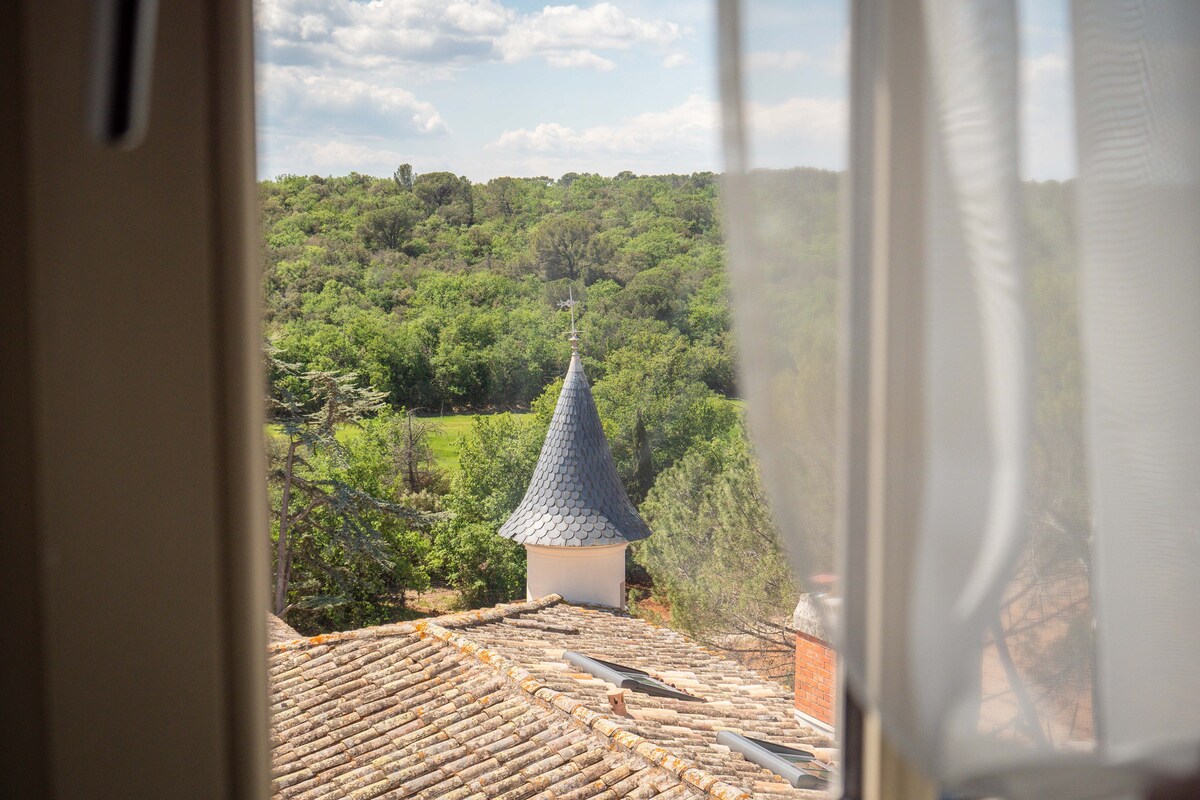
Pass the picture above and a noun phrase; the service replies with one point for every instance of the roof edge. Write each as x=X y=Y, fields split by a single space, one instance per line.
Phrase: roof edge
x=690 y=774
x=460 y=619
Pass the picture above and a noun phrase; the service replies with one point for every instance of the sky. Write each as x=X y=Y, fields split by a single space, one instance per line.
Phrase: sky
x=486 y=88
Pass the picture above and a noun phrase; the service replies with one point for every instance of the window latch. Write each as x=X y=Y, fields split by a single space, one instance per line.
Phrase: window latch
x=123 y=33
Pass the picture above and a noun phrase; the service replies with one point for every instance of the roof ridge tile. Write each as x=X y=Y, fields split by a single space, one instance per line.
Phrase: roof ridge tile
x=655 y=755
x=458 y=619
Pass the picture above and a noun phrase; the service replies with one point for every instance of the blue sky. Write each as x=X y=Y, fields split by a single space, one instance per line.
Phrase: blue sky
x=495 y=87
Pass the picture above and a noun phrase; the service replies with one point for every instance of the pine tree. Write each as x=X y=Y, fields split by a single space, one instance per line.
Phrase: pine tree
x=403 y=176
x=308 y=408
x=643 y=471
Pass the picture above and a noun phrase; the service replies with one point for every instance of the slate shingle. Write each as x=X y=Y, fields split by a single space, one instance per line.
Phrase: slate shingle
x=575 y=498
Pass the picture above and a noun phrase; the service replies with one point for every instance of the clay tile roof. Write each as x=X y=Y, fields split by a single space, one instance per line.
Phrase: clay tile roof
x=576 y=497
x=480 y=705
x=279 y=631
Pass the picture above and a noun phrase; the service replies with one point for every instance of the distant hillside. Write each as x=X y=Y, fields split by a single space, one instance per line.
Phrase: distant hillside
x=444 y=293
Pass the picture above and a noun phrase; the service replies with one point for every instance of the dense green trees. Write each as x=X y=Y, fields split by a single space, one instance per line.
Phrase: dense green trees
x=562 y=246
x=392 y=226
x=442 y=293
x=497 y=459
x=656 y=378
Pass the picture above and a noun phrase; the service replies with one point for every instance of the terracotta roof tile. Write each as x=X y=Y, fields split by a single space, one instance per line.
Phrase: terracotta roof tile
x=477 y=705
x=279 y=631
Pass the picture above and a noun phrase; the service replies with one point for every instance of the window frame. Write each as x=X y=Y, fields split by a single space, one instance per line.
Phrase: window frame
x=136 y=325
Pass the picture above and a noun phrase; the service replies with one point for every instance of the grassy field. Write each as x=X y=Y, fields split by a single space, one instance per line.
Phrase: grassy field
x=444 y=441
x=344 y=434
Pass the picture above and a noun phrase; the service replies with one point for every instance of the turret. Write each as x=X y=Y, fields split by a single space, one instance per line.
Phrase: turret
x=576 y=521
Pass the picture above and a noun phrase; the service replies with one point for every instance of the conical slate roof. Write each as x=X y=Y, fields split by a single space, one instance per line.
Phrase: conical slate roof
x=575 y=498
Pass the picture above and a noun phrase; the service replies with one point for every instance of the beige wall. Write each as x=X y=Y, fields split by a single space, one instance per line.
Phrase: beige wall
x=133 y=558
x=580 y=574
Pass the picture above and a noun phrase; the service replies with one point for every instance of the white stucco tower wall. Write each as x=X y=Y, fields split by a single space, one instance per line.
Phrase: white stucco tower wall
x=594 y=574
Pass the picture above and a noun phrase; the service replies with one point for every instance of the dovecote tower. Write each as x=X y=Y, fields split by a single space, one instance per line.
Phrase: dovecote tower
x=576 y=520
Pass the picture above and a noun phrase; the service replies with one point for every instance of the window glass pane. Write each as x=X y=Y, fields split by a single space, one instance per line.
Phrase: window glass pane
x=794 y=103
x=500 y=351
x=794 y=107
x=1030 y=682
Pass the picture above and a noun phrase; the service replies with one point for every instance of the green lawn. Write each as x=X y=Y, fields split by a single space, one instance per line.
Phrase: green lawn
x=344 y=434
x=444 y=441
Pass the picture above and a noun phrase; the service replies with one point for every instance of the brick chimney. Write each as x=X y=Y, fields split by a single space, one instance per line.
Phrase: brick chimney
x=816 y=665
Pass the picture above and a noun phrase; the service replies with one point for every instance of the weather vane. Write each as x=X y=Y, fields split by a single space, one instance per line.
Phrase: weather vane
x=570 y=303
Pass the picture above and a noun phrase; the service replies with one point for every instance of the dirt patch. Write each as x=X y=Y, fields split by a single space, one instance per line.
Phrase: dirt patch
x=654 y=611
x=434 y=602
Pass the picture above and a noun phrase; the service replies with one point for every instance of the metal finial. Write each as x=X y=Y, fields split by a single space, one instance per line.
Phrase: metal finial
x=570 y=303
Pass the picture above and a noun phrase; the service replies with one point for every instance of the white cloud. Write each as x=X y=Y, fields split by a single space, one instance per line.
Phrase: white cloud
x=381 y=33
x=329 y=157
x=798 y=118
x=784 y=60
x=559 y=29
x=390 y=33
x=692 y=123
x=298 y=97
x=331 y=72
x=674 y=60
x=579 y=58
x=799 y=130
x=546 y=137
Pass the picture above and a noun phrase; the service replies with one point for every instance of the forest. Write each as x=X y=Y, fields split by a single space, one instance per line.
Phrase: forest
x=395 y=305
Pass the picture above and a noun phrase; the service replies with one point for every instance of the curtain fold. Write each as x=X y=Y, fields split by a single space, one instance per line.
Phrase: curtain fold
x=976 y=422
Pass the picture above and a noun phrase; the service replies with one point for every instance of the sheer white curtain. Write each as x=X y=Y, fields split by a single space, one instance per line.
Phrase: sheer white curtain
x=1050 y=606
x=1137 y=88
